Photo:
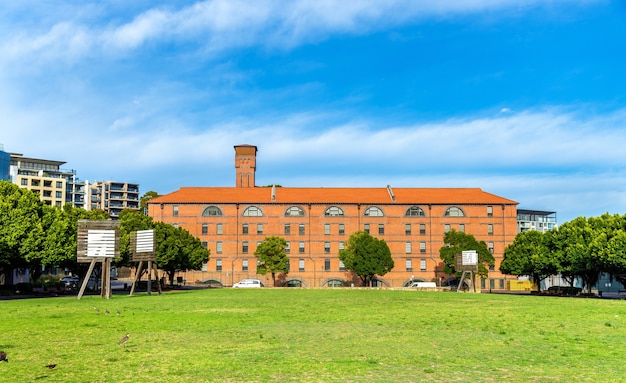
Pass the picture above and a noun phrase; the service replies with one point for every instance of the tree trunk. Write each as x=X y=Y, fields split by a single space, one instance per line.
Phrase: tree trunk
x=537 y=280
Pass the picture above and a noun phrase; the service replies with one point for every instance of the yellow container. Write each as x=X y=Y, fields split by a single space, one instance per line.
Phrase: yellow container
x=517 y=285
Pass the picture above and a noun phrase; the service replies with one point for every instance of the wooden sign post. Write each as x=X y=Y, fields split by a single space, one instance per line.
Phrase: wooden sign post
x=467 y=262
x=98 y=241
x=142 y=249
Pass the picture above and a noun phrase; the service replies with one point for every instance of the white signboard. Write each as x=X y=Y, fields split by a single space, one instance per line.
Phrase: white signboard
x=145 y=241
x=469 y=258
x=101 y=243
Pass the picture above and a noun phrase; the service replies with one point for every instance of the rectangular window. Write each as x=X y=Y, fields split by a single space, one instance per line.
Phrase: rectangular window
x=288 y=248
x=259 y=228
x=381 y=228
x=490 y=247
x=446 y=227
x=218 y=228
x=407 y=229
x=24 y=182
x=327 y=247
x=204 y=266
x=244 y=265
x=301 y=264
x=422 y=264
x=327 y=264
x=244 y=247
x=422 y=247
x=341 y=245
x=342 y=229
x=342 y=267
x=301 y=247
x=218 y=264
x=301 y=229
x=175 y=210
x=489 y=211
x=59 y=194
x=205 y=228
x=327 y=228
x=204 y=244
x=288 y=265
x=462 y=228
x=409 y=264
x=59 y=184
x=244 y=228
x=490 y=229
x=407 y=247
x=366 y=228
x=218 y=247
x=287 y=229
x=422 y=229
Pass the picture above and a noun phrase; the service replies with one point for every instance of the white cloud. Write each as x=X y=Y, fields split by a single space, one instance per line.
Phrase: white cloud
x=558 y=159
x=216 y=25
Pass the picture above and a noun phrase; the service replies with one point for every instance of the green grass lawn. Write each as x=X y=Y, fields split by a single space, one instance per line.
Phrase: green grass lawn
x=296 y=335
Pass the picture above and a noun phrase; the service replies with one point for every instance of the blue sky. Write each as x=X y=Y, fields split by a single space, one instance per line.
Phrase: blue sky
x=524 y=99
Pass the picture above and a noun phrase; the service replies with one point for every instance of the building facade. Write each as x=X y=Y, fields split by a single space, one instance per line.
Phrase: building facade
x=535 y=220
x=317 y=222
x=54 y=185
x=112 y=197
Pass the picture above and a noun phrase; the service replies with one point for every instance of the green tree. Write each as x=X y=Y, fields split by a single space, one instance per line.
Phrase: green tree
x=366 y=256
x=61 y=230
x=21 y=230
x=613 y=255
x=143 y=201
x=529 y=255
x=457 y=242
x=272 y=257
x=577 y=246
x=610 y=244
x=177 y=250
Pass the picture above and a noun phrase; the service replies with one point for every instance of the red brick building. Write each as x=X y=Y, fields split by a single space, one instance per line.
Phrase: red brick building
x=317 y=221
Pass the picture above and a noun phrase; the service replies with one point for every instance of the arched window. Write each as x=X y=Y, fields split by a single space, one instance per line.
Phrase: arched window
x=212 y=211
x=415 y=211
x=294 y=211
x=374 y=211
x=252 y=211
x=333 y=211
x=454 y=212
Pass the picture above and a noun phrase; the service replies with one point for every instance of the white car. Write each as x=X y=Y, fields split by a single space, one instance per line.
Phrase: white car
x=248 y=283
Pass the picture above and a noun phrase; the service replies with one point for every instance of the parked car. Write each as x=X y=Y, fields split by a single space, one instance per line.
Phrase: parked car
x=563 y=290
x=70 y=282
x=248 y=283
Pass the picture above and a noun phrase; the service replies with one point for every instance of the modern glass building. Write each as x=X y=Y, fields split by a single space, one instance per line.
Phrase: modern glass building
x=5 y=164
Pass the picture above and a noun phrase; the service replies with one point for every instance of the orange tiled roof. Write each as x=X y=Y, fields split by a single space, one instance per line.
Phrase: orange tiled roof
x=332 y=195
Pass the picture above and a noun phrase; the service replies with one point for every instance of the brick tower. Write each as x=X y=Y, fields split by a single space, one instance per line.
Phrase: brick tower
x=245 y=165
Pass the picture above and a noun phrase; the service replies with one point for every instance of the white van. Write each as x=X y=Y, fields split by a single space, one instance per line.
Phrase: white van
x=424 y=285
x=248 y=283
